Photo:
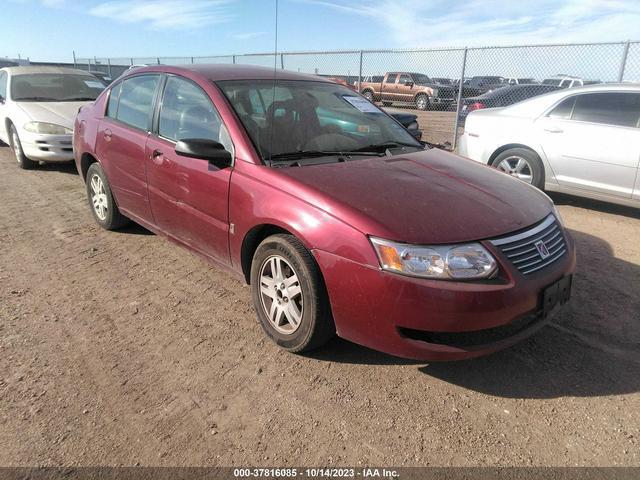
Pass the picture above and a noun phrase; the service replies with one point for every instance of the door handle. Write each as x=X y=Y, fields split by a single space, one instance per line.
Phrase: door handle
x=553 y=130
x=156 y=153
x=107 y=135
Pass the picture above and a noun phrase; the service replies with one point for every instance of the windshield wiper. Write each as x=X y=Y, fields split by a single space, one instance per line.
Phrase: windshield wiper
x=77 y=99
x=386 y=145
x=320 y=153
x=37 y=99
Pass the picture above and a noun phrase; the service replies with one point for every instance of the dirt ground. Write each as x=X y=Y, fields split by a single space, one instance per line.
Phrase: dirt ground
x=119 y=348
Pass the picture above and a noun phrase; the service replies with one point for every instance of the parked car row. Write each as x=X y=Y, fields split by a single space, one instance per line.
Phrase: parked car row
x=336 y=216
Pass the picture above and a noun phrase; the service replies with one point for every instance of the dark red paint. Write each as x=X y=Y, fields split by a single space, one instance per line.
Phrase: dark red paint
x=427 y=197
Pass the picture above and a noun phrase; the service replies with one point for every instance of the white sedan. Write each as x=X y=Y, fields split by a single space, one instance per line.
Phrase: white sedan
x=38 y=106
x=582 y=141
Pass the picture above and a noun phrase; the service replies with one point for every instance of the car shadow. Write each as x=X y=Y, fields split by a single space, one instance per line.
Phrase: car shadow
x=66 y=167
x=600 y=206
x=591 y=348
x=134 y=229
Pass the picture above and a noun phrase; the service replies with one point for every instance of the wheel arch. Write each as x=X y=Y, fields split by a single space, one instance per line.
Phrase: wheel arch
x=86 y=160
x=509 y=146
x=252 y=239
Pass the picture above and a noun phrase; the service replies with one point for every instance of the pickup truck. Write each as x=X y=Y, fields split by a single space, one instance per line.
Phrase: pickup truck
x=406 y=87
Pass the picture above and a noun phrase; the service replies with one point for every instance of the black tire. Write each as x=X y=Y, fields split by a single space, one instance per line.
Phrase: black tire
x=368 y=94
x=14 y=141
x=111 y=219
x=535 y=165
x=422 y=102
x=316 y=326
x=387 y=104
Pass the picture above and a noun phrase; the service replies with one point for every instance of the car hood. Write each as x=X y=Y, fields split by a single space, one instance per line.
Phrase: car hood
x=59 y=113
x=425 y=197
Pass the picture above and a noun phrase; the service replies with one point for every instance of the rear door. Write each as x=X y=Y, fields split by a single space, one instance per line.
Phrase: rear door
x=189 y=196
x=592 y=141
x=121 y=142
x=405 y=87
x=4 y=135
x=389 y=89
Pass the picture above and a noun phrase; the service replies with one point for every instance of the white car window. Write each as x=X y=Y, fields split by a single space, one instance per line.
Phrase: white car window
x=3 y=85
x=610 y=108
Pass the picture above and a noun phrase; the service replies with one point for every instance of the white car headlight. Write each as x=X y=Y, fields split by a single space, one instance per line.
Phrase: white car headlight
x=46 y=128
x=445 y=262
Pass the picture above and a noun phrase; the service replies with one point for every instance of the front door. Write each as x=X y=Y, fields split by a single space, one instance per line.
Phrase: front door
x=189 y=196
x=592 y=141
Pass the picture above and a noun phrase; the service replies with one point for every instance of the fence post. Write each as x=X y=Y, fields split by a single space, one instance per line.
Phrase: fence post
x=233 y=59
x=74 y=59
x=460 y=86
x=88 y=64
x=360 y=72
x=623 y=64
x=158 y=59
x=282 y=61
x=131 y=61
x=109 y=67
x=191 y=59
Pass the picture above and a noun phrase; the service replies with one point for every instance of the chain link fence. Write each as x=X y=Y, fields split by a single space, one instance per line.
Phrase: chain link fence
x=439 y=86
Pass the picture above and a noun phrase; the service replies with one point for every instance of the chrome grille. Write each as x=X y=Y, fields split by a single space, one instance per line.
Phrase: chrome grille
x=534 y=249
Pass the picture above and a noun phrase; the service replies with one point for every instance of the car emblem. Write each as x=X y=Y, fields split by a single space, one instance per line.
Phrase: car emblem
x=542 y=249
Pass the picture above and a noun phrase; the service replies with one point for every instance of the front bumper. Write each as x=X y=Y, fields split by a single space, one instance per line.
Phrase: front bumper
x=437 y=320
x=47 y=148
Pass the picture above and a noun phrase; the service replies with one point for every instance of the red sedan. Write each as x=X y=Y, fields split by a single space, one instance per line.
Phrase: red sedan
x=341 y=222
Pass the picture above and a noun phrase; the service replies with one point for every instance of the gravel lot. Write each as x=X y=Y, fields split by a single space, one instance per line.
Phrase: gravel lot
x=119 y=348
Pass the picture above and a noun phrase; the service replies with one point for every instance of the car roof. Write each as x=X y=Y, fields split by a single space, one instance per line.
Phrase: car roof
x=222 y=72
x=35 y=69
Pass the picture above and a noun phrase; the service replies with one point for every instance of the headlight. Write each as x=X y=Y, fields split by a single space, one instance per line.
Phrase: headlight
x=46 y=128
x=446 y=262
x=412 y=126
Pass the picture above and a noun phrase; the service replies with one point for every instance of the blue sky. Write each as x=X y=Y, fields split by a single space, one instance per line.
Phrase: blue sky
x=52 y=29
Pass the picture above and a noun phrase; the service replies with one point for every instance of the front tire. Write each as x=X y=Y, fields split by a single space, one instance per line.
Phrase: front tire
x=289 y=295
x=368 y=94
x=103 y=206
x=521 y=163
x=422 y=102
x=14 y=139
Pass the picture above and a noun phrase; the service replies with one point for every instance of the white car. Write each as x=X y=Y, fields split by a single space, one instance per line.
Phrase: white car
x=583 y=141
x=38 y=106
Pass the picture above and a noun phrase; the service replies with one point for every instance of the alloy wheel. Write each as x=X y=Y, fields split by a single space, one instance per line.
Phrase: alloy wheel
x=518 y=167
x=99 y=197
x=281 y=294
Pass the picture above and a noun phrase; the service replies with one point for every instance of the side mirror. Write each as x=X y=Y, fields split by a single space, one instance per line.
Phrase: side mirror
x=203 y=149
x=1 y=100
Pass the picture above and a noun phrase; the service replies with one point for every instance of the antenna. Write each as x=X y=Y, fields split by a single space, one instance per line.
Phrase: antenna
x=275 y=72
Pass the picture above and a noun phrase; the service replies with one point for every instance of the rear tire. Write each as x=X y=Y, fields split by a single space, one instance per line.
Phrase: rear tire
x=521 y=163
x=103 y=206
x=368 y=94
x=14 y=140
x=289 y=295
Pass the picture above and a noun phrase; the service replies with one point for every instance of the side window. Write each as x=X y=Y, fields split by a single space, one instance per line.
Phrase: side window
x=112 y=105
x=404 y=79
x=256 y=102
x=3 y=85
x=391 y=78
x=187 y=112
x=620 y=109
x=563 y=110
x=136 y=100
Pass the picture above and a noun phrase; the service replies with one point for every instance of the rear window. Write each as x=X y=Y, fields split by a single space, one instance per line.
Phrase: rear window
x=611 y=108
x=136 y=100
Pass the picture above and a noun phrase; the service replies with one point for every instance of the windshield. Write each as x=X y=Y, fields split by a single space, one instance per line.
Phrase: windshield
x=420 y=78
x=552 y=81
x=55 y=87
x=311 y=117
